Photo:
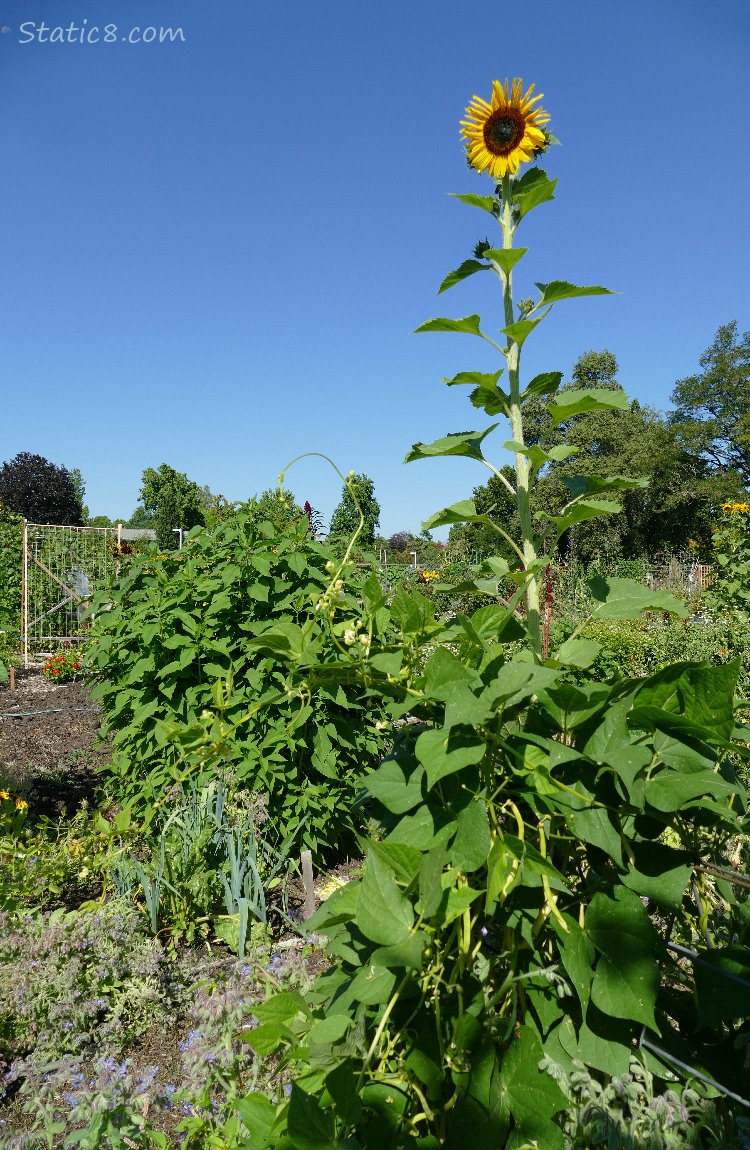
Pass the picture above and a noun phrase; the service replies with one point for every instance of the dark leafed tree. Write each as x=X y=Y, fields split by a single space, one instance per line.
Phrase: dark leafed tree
x=712 y=408
x=40 y=491
x=358 y=493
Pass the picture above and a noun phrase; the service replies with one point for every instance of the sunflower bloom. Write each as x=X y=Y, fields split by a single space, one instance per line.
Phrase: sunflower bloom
x=21 y=805
x=507 y=132
x=3 y=796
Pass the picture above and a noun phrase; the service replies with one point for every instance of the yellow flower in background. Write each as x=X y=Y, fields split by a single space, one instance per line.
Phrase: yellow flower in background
x=507 y=132
x=736 y=508
x=21 y=805
x=3 y=796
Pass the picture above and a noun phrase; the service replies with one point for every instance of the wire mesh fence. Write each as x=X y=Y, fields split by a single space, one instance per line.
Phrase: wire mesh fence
x=62 y=567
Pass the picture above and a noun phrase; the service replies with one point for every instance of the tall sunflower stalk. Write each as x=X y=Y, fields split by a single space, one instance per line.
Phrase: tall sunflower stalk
x=501 y=135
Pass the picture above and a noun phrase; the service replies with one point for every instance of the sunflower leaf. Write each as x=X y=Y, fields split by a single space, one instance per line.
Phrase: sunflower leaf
x=476 y=378
x=558 y=289
x=544 y=384
x=466 y=443
x=486 y=203
x=505 y=258
x=486 y=393
x=468 y=267
x=581 y=400
x=585 y=509
x=463 y=512
x=469 y=324
x=534 y=188
x=519 y=332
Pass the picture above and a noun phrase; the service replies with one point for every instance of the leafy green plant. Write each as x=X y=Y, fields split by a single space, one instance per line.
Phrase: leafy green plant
x=532 y=837
x=63 y=667
x=729 y=590
x=190 y=686
x=201 y=866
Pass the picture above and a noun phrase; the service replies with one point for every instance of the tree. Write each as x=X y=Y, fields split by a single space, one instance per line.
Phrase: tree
x=172 y=500
x=40 y=491
x=358 y=494
x=712 y=408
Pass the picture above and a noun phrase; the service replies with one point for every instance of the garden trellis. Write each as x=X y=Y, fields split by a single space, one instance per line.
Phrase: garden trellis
x=62 y=567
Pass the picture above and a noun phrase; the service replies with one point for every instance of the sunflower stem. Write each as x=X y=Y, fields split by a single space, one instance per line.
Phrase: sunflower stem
x=522 y=465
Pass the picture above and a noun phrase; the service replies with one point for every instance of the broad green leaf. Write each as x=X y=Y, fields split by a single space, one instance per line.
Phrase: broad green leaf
x=396 y=788
x=577 y=956
x=626 y=599
x=468 y=325
x=669 y=791
x=486 y=203
x=570 y=706
x=722 y=983
x=443 y=752
x=471 y=845
x=516 y=681
x=466 y=443
x=535 y=454
x=372 y=984
x=341 y=1084
x=546 y=383
x=698 y=692
x=430 y=881
x=601 y=1042
x=309 y=1127
x=259 y=1115
x=585 y=509
x=520 y=331
x=463 y=512
x=475 y=378
x=626 y=978
x=444 y=670
x=404 y=861
x=532 y=1096
x=534 y=188
x=467 y=268
x=558 y=290
x=660 y=873
x=326 y=1031
x=505 y=258
x=404 y=954
x=282 y=1007
x=579 y=485
x=577 y=653
x=578 y=401
x=384 y=915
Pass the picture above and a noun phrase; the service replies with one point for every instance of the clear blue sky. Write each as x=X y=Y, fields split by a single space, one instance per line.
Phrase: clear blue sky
x=214 y=251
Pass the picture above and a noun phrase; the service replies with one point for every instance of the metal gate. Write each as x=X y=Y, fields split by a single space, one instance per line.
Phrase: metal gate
x=62 y=567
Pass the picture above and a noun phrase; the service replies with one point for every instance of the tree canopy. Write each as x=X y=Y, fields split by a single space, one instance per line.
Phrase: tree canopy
x=358 y=493
x=712 y=407
x=170 y=500
x=40 y=491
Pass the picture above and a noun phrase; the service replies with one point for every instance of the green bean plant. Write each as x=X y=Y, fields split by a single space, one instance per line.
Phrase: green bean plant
x=547 y=888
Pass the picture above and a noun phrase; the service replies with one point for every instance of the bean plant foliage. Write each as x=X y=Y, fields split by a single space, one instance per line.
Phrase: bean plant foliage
x=540 y=846
x=191 y=688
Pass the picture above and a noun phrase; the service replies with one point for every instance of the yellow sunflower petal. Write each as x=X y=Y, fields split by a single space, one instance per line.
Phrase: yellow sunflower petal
x=505 y=133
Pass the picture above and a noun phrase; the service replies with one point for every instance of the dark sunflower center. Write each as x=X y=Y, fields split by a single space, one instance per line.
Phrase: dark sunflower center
x=504 y=131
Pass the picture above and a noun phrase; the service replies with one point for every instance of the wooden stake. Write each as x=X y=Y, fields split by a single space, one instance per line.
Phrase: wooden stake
x=12 y=673
x=307 y=879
